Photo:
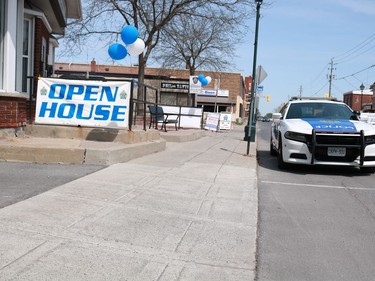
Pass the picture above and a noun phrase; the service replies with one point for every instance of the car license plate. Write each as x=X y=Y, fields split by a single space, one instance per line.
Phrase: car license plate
x=336 y=151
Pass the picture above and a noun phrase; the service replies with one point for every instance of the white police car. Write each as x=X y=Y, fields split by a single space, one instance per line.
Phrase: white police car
x=322 y=132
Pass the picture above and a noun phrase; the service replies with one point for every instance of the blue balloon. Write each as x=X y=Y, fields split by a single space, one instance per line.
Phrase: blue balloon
x=117 y=51
x=204 y=82
x=201 y=77
x=129 y=34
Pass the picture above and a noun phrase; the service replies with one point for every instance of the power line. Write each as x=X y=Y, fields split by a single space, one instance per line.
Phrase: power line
x=356 y=72
x=321 y=72
x=320 y=89
x=314 y=82
x=354 y=87
x=342 y=57
x=365 y=51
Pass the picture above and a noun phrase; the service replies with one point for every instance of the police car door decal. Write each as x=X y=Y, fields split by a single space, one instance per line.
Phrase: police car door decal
x=331 y=125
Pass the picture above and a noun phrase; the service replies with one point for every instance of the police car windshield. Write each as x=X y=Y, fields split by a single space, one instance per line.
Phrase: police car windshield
x=319 y=110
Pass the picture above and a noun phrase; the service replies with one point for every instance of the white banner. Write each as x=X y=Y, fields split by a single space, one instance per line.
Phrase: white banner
x=84 y=103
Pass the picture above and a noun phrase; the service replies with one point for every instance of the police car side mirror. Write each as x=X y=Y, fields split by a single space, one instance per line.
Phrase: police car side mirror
x=356 y=115
x=276 y=116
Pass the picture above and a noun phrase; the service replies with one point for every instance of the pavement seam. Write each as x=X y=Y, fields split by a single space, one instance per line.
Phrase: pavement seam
x=22 y=256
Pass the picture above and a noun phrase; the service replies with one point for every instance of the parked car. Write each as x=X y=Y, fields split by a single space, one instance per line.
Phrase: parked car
x=322 y=132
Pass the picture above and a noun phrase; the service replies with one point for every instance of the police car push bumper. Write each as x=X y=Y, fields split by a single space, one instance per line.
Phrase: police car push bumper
x=324 y=145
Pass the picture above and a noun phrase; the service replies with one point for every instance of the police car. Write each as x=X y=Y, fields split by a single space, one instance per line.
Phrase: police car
x=322 y=132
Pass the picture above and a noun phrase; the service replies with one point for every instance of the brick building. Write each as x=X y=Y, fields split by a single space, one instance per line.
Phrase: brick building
x=227 y=91
x=355 y=98
x=27 y=47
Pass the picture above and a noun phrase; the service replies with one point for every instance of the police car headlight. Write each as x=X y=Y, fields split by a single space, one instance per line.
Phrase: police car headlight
x=370 y=139
x=296 y=136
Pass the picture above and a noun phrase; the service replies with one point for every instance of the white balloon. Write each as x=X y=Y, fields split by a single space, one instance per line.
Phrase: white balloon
x=209 y=79
x=136 y=48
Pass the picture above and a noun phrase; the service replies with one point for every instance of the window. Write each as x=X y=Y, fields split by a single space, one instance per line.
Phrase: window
x=2 y=34
x=180 y=99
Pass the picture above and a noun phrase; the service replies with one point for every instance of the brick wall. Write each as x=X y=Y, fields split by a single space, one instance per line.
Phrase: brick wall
x=354 y=100
x=41 y=32
x=13 y=112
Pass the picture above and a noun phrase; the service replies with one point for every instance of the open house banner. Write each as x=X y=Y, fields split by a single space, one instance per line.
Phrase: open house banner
x=84 y=103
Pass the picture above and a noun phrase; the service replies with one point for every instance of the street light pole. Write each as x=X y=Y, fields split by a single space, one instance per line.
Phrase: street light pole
x=362 y=87
x=249 y=131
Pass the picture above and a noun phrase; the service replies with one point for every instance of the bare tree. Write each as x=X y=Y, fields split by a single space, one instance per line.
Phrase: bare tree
x=104 y=19
x=196 y=42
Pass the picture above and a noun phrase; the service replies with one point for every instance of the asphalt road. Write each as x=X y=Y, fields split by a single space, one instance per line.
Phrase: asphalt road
x=19 y=181
x=315 y=223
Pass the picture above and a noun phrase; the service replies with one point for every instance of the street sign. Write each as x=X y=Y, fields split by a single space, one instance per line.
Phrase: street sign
x=260 y=89
x=261 y=74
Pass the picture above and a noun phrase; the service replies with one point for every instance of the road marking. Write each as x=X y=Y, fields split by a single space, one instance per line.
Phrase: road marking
x=318 y=185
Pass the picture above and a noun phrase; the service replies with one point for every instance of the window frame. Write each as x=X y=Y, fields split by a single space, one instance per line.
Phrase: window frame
x=25 y=85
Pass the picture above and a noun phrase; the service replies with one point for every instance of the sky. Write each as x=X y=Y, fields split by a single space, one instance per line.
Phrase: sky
x=299 y=38
x=297 y=41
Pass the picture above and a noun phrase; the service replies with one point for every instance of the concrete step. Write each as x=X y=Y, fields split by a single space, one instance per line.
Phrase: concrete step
x=77 y=145
x=74 y=151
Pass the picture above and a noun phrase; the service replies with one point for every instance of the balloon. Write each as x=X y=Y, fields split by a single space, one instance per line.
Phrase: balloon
x=129 y=34
x=204 y=82
x=136 y=48
x=200 y=77
x=117 y=51
x=209 y=79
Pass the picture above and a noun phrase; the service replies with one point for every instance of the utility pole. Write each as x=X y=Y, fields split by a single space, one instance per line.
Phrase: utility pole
x=330 y=78
x=251 y=122
x=300 y=91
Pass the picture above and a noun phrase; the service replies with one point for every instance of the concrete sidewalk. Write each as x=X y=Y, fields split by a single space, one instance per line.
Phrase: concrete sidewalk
x=186 y=213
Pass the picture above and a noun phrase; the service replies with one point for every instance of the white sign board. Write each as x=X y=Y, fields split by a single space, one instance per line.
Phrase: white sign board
x=84 y=103
x=225 y=121
x=219 y=93
x=212 y=121
x=195 y=87
x=190 y=117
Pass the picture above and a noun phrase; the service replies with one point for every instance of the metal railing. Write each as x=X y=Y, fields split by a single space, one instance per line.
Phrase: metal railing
x=141 y=95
